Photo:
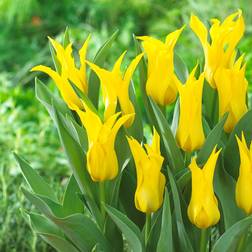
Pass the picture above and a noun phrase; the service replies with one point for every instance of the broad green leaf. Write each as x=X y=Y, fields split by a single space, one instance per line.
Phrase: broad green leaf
x=185 y=244
x=225 y=190
x=80 y=229
x=180 y=68
x=228 y=242
x=175 y=118
x=165 y=242
x=72 y=203
x=50 y=233
x=36 y=182
x=211 y=141
x=75 y=155
x=45 y=96
x=231 y=153
x=128 y=228
x=175 y=158
x=93 y=81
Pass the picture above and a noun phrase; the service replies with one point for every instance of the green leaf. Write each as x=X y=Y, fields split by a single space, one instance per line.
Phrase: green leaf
x=180 y=68
x=231 y=153
x=128 y=228
x=45 y=96
x=225 y=190
x=72 y=203
x=36 y=182
x=50 y=233
x=66 y=38
x=143 y=78
x=75 y=155
x=93 y=87
x=80 y=229
x=55 y=59
x=212 y=140
x=165 y=242
x=228 y=242
x=175 y=158
x=185 y=244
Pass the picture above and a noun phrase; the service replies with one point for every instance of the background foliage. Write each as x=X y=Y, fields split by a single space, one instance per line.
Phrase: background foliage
x=25 y=126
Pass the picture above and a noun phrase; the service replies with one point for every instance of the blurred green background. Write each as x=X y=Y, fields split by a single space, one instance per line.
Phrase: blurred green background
x=25 y=126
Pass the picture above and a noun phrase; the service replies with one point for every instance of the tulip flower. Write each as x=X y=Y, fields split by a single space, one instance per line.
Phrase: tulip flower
x=162 y=81
x=232 y=88
x=115 y=87
x=190 y=135
x=203 y=209
x=150 y=180
x=68 y=72
x=224 y=37
x=244 y=182
x=102 y=163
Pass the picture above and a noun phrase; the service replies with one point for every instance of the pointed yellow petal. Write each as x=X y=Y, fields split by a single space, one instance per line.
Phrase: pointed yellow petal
x=117 y=65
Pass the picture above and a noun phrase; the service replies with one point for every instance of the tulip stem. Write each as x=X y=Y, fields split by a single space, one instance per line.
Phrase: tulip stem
x=147 y=227
x=102 y=198
x=203 y=240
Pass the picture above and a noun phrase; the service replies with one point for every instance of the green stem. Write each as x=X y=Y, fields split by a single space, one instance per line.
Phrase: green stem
x=102 y=199
x=187 y=158
x=147 y=227
x=203 y=240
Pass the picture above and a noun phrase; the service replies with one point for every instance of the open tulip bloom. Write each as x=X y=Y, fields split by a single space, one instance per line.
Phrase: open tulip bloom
x=188 y=187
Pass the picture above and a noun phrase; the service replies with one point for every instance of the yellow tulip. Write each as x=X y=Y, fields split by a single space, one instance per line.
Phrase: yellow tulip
x=150 y=180
x=203 y=209
x=190 y=134
x=68 y=72
x=115 y=87
x=232 y=88
x=162 y=81
x=244 y=182
x=102 y=163
x=224 y=37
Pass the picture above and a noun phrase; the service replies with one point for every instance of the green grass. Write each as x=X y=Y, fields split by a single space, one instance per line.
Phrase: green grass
x=25 y=128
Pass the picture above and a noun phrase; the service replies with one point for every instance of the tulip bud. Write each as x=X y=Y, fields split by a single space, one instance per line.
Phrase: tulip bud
x=190 y=135
x=115 y=87
x=224 y=37
x=203 y=209
x=232 y=90
x=68 y=72
x=162 y=81
x=244 y=182
x=102 y=163
x=150 y=181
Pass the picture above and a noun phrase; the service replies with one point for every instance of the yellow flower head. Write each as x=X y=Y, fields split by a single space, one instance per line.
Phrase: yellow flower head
x=162 y=81
x=190 y=135
x=68 y=72
x=224 y=37
x=232 y=88
x=244 y=182
x=102 y=163
x=150 y=180
x=115 y=86
x=203 y=209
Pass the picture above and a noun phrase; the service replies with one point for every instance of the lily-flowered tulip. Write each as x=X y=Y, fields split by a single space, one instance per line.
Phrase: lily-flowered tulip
x=190 y=134
x=224 y=37
x=203 y=209
x=232 y=88
x=102 y=163
x=68 y=72
x=244 y=182
x=162 y=81
x=150 y=180
x=115 y=87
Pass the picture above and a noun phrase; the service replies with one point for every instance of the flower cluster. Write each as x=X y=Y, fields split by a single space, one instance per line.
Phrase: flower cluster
x=224 y=72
